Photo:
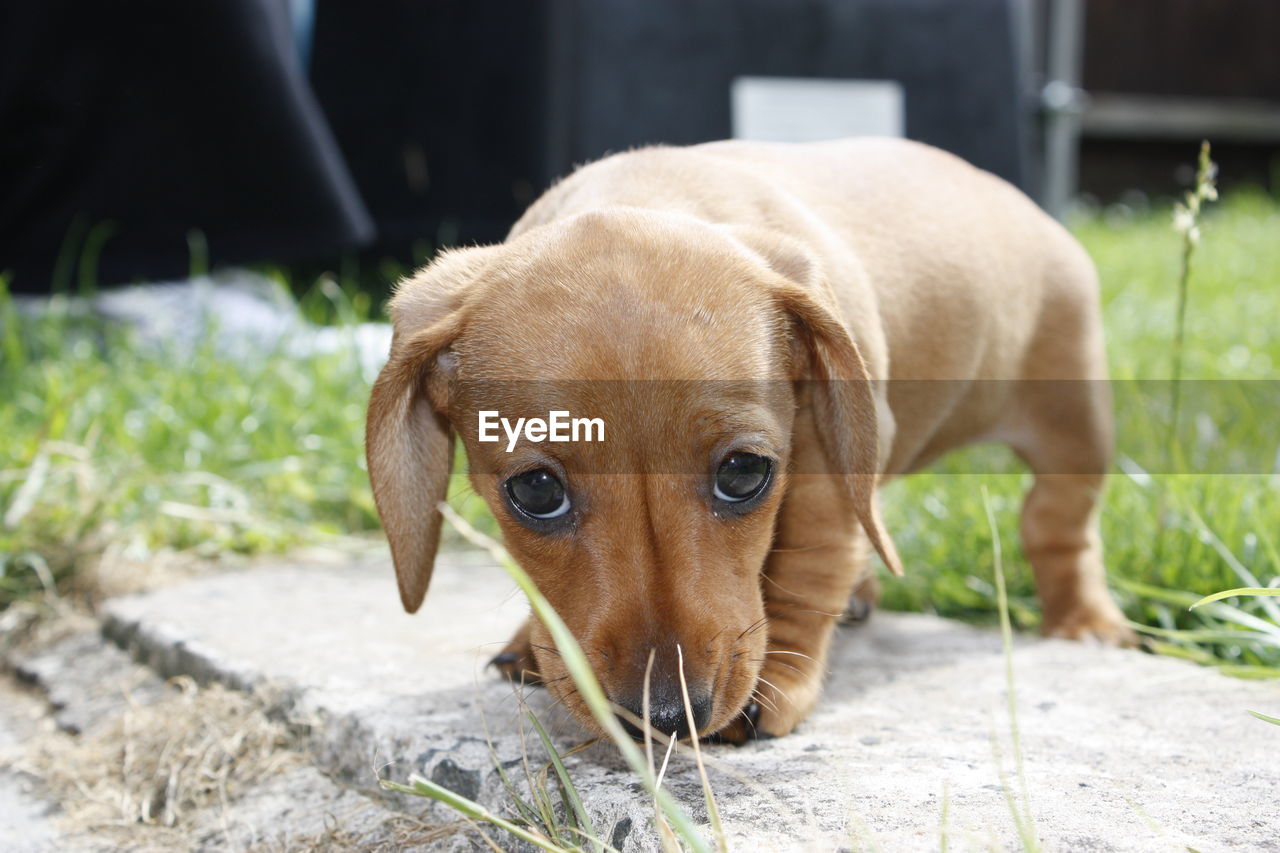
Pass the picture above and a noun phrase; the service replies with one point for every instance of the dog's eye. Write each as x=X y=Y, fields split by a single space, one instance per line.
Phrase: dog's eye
x=742 y=476
x=538 y=493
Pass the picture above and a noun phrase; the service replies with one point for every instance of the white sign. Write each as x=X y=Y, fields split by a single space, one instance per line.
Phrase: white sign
x=808 y=109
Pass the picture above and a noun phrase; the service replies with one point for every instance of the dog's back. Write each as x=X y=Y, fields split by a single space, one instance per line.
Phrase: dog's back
x=952 y=281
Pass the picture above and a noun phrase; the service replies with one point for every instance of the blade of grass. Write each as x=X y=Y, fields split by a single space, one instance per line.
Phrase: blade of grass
x=1268 y=543
x=570 y=791
x=1215 y=542
x=648 y=729
x=1026 y=822
x=1244 y=590
x=541 y=796
x=1186 y=599
x=1275 y=721
x=713 y=812
x=14 y=350
x=1205 y=635
x=1193 y=653
x=666 y=835
x=1249 y=671
x=526 y=810
x=421 y=787
x=1186 y=222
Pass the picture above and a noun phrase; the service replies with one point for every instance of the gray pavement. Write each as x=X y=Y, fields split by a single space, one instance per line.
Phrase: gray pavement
x=1123 y=751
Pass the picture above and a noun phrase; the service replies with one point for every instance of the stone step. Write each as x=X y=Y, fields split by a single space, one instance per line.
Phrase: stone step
x=1122 y=750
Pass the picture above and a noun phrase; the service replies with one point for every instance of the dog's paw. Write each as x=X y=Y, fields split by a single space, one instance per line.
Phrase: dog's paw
x=863 y=601
x=744 y=727
x=857 y=611
x=1101 y=623
x=516 y=663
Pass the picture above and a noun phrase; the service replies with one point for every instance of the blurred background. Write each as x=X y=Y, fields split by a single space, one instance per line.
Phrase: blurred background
x=147 y=140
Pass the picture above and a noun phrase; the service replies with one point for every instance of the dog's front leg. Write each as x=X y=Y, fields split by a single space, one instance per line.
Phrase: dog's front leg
x=819 y=558
x=516 y=661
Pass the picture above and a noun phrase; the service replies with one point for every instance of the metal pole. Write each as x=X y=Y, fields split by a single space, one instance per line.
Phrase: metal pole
x=1062 y=101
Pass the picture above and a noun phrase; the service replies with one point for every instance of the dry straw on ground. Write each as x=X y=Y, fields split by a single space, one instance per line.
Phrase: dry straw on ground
x=400 y=833
x=158 y=765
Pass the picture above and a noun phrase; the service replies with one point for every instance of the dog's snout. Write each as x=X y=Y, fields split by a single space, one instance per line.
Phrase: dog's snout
x=670 y=717
x=667 y=713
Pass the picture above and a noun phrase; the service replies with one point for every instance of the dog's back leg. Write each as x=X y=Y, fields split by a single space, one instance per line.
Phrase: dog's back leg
x=1065 y=438
x=1060 y=423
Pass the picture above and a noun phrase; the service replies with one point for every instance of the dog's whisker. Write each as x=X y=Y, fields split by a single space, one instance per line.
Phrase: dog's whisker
x=783 y=588
x=528 y=643
x=779 y=663
x=768 y=619
x=777 y=689
x=754 y=626
x=805 y=610
x=754 y=731
x=801 y=549
x=785 y=652
x=526 y=678
x=764 y=700
x=560 y=700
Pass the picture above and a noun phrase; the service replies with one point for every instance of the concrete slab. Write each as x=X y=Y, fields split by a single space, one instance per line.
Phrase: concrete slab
x=1123 y=751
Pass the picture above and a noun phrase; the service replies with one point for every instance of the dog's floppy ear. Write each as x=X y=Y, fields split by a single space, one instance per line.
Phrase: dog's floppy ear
x=842 y=392
x=408 y=440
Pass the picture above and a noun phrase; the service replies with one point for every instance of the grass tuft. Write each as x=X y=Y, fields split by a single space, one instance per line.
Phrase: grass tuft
x=113 y=448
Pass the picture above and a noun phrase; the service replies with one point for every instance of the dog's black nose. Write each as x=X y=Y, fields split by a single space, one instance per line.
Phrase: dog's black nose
x=667 y=714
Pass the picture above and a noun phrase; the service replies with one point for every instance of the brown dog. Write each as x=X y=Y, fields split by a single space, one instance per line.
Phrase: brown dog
x=729 y=508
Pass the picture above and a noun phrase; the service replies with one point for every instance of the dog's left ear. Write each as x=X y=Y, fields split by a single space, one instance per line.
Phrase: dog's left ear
x=408 y=437
x=842 y=391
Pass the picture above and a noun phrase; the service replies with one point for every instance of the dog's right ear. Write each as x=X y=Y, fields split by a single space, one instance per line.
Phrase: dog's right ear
x=408 y=439
x=842 y=392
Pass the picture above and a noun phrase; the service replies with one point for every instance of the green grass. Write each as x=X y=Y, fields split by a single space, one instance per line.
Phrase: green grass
x=1169 y=538
x=108 y=445
x=105 y=446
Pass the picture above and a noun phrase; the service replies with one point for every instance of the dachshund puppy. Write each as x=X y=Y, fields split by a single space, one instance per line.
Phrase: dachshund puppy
x=767 y=332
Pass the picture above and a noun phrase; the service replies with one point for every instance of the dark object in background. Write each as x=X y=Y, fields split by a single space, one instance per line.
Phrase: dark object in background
x=127 y=125
x=453 y=115
x=439 y=109
x=955 y=61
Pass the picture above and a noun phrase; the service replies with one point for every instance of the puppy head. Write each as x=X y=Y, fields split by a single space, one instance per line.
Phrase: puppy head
x=686 y=341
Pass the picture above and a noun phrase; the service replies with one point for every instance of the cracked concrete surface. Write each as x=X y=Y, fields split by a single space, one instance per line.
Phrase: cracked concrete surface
x=1123 y=751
